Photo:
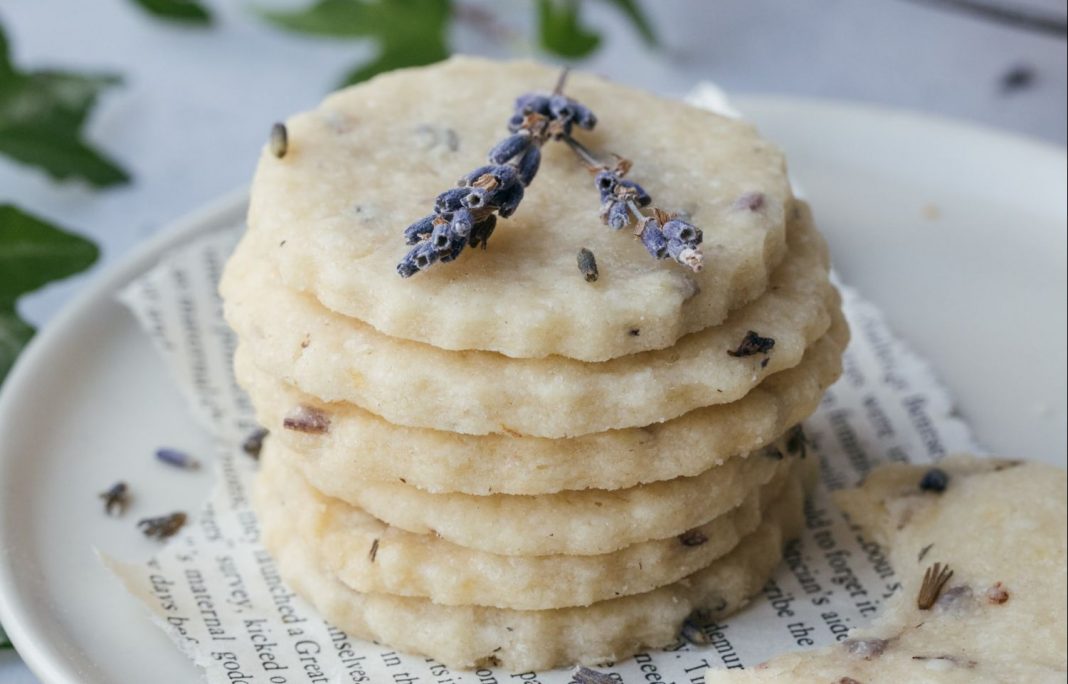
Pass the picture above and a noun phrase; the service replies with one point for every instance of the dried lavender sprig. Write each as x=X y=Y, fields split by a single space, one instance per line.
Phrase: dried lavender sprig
x=466 y=215
x=664 y=235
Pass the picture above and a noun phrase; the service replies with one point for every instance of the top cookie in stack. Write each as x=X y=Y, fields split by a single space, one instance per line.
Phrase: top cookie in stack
x=536 y=468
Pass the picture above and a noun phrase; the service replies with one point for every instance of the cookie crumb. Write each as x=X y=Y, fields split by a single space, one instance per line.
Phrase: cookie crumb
x=997 y=594
x=866 y=648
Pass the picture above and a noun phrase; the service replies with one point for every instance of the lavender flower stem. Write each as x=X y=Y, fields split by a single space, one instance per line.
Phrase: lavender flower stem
x=583 y=152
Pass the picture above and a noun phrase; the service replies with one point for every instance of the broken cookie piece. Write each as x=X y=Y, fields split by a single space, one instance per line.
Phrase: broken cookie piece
x=1000 y=616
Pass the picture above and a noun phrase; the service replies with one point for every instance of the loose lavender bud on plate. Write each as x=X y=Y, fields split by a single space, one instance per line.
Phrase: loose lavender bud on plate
x=116 y=498
x=164 y=526
x=179 y=459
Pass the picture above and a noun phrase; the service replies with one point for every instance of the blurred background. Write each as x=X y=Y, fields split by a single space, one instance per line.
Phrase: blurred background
x=118 y=116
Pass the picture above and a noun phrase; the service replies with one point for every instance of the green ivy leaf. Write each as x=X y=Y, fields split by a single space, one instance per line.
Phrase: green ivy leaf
x=15 y=334
x=633 y=11
x=408 y=32
x=41 y=117
x=182 y=11
x=32 y=254
x=561 y=31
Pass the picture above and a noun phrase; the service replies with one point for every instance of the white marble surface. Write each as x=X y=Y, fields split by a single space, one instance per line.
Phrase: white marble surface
x=196 y=104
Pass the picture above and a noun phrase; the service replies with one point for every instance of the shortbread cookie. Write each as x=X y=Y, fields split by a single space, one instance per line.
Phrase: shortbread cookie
x=588 y=522
x=522 y=640
x=359 y=446
x=1000 y=527
x=410 y=383
x=371 y=159
x=372 y=557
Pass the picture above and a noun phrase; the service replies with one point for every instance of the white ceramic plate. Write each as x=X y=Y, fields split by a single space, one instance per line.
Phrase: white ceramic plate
x=957 y=232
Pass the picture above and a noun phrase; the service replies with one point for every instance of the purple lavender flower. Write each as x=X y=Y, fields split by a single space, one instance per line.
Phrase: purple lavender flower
x=653 y=238
x=419 y=258
x=616 y=214
x=512 y=146
x=677 y=229
x=419 y=230
x=450 y=200
x=528 y=165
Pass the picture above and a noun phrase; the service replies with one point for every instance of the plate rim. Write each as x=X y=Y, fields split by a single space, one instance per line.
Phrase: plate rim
x=35 y=649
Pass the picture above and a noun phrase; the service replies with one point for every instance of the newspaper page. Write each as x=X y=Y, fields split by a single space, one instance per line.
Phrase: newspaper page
x=218 y=594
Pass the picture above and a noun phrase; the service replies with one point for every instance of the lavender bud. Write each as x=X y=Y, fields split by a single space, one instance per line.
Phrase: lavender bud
x=455 y=249
x=677 y=229
x=176 y=458
x=442 y=238
x=417 y=259
x=528 y=165
x=461 y=223
x=637 y=192
x=507 y=200
x=618 y=215
x=515 y=123
x=477 y=198
x=418 y=231
x=584 y=117
x=474 y=175
x=606 y=184
x=505 y=175
x=653 y=239
x=561 y=107
x=279 y=140
x=510 y=147
x=532 y=102
x=450 y=200
x=482 y=230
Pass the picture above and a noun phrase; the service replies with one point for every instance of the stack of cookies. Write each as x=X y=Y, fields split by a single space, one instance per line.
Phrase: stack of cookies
x=501 y=461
